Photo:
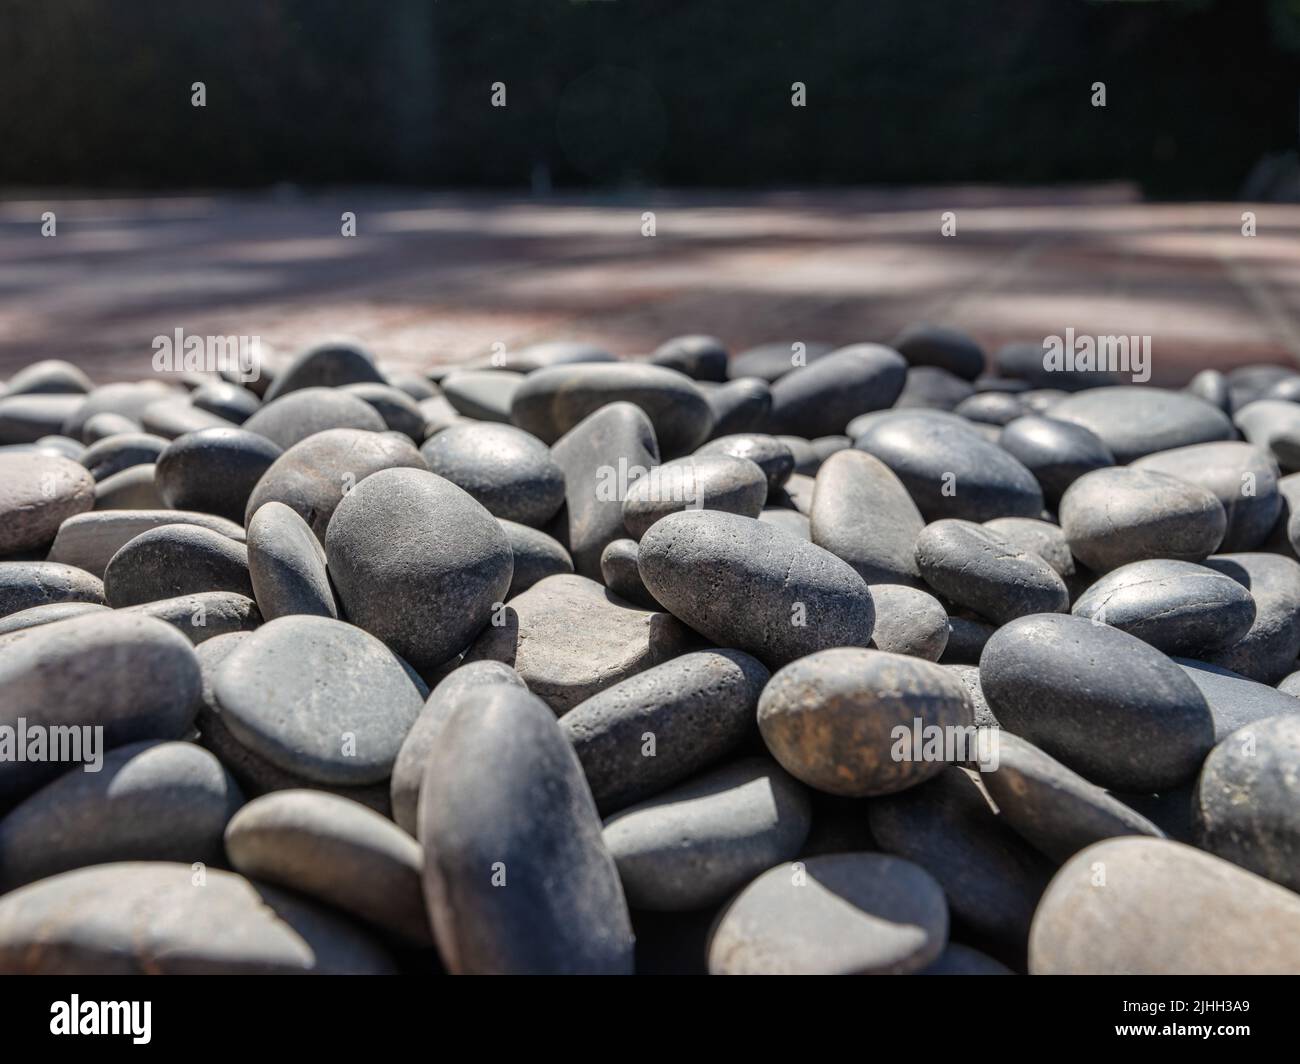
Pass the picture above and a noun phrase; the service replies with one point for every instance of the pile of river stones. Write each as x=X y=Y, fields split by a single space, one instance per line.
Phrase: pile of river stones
x=870 y=659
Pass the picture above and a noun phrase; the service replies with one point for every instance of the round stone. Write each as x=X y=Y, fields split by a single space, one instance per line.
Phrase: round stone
x=556 y=353
x=90 y=540
x=175 y=415
x=1234 y=700
x=1268 y=651
x=112 y=455
x=214 y=471
x=689 y=712
x=739 y=406
x=484 y=394
x=745 y=584
x=286 y=565
x=699 y=482
x=37 y=494
x=50 y=376
x=1177 y=607
x=908 y=621
x=991 y=408
x=1056 y=452
x=292 y=418
x=935 y=345
x=1114 y=516
x=173 y=560
x=1109 y=706
x=962 y=960
x=840 y=914
x=399 y=411
x=230 y=401
x=1030 y=362
x=508 y=471
x=1212 y=386
x=494 y=840
x=1042 y=538
x=26 y=418
x=932 y=388
x=101 y=426
x=24 y=585
x=848 y=721
x=536 y=557
x=205 y=615
x=54 y=611
x=771 y=361
x=319 y=698
x=618 y=569
x=1274 y=425
x=824 y=396
x=418 y=563
x=135 y=488
x=703 y=358
x=791 y=521
x=127 y=399
x=326 y=366
x=1136 y=420
x=771 y=455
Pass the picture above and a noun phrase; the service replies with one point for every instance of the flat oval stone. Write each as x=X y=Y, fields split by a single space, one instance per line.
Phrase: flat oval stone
x=841 y=914
x=742 y=583
x=1267 y=652
x=1247 y=803
x=552 y=401
x=973 y=566
x=951 y=471
x=698 y=482
x=408 y=769
x=327 y=365
x=969 y=675
x=128 y=399
x=400 y=412
x=515 y=826
x=1109 y=706
x=991 y=408
x=568 y=638
x=957 y=959
x=89 y=540
x=1053 y=809
x=101 y=426
x=1177 y=607
x=1274 y=425
x=335 y=851
x=37 y=494
x=292 y=418
x=1136 y=420
x=1029 y=362
x=806 y=459
x=697 y=844
x=821 y=398
x=862 y=513
x=230 y=401
x=135 y=488
x=844 y=720
x=134 y=918
x=932 y=388
x=618 y=569
x=134 y=676
x=1212 y=386
x=739 y=406
x=1241 y=476
x=791 y=521
x=439 y=414
x=536 y=557
x=203 y=616
x=936 y=345
x=147 y=801
x=319 y=698
x=599 y=459
x=484 y=394
x=689 y=711
x=112 y=455
x=50 y=612
x=510 y=472
x=556 y=353
x=50 y=376
x=1056 y=452
x=1155 y=890
x=312 y=476
x=702 y=358
x=286 y=565
x=214 y=471
x=771 y=455
x=418 y=563
x=771 y=361
x=173 y=560
x=26 y=418
x=1234 y=700
x=175 y=415
x=909 y=621
x=1114 y=516
x=991 y=876
x=966 y=638
x=24 y=585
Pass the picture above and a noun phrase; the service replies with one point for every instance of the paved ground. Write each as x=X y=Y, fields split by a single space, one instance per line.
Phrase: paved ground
x=436 y=277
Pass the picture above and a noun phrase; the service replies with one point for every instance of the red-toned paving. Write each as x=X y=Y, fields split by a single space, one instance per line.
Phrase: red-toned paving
x=439 y=277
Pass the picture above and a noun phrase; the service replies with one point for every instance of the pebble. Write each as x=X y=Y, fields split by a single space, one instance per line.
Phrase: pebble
x=772 y=361
x=313 y=476
x=697 y=844
x=127 y=399
x=334 y=851
x=556 y=353
x=932 y=388
x=909 y=621
x=327 y=365
x=1056 y=452
x=969 y=675
x=619 y=573
x=319 y=698
x=598 y=458
x=745 y=584
x=1044 y=539
x=24 y=585
x=951 y=471
x=1101 y=701
x=400 y=412
x=1136 y=420
x=862 y=513
x=536 y=556
x=1268 y=651
x=116 y=453
x=1157 y=889
x=232 y=402
x=408 y=768
x=90 y=540
x=175 y=415
x=26 y=418
x=841 y=914
x=418 y=563
x=302 y=413
x=286 y=565
x=173 y=560
x=1247 y=803
x=962 y=960
x=148 y=801
x=771 y=455
x=1274 y=425
x=966 y=638
x=484 y=395
x=52 y=611
x=568 y=638
x=806 y=459
x=739 y=406
x=845 y=720
x=991 y=408
x=134 y=676
x=37 y=494
x=1027 y=362
x=791 y=521
x=936 y=345
x=138 y=917
x=1177 y=607
x=509 y=471
x=700 y=482
x=1114 y=516
x=205 y=615
x=1212 y=386
x=821 y=398
x=135 y=488
x=655 y=729
x=702 y=358
x=975 y=567
x=514 y=828
x=214 y=470
x=50 y=376
x=1234 y=700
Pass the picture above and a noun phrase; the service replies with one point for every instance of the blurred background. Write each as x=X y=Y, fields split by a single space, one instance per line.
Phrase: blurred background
x=479 y=224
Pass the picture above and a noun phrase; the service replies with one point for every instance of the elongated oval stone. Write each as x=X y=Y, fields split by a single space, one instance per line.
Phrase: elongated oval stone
x=25 y=585
x=698 y=482
x=286 y=565
x=214 y=471
x=89 y=540
x=173 y=560
x=771 y=455
x=289 y=419
x=327 y=365
x=510 y=472
x=37 y=494
x=1056 y=452
x=909 y=621
x=1133 y=420
x=821 y=398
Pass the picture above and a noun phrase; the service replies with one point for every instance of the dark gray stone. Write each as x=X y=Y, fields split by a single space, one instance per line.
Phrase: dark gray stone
x=698 y=482
x=24 y=585
x=286 y=565
x=1056 y=452
x=536 y=557
x=291 y=418
x=135 y=488
x=772 y=361
x=173 y=560
x=969 y=675
x=1274 y=426
x=946 y=348
x=962 y=960
x=205 y=615
x=400 y=412
x=214 y=471
x=821 y=398
x=50 y=612
x=702 y=358
x=555 y=353
x=50 y=376
x=991 y=408
x=1234 y=700
x=932 y=388
x=909 y=621
x=484 y=395
x=233 y=402
x=175 y=415
x=1028 y=362
x=739 y=406
x=1136 y=420
x=327 y=365
x=618 y=569
x=770 y=454
x=90 y=540
x=1212 y=386
x=1268 y=651
x=509 y=471
x=37 y=494
x=116 y=453
x=26 y=418
x=966 y=638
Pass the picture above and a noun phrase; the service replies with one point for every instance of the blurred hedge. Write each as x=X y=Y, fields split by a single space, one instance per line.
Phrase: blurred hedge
x=97 y=92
